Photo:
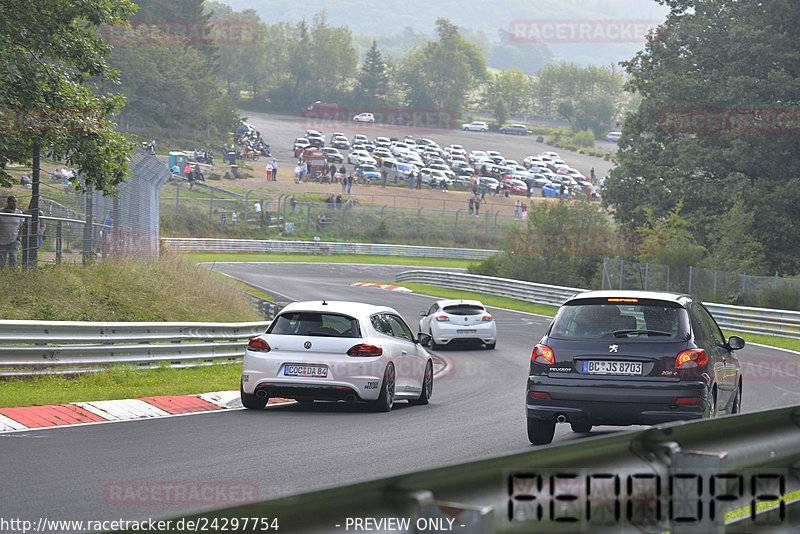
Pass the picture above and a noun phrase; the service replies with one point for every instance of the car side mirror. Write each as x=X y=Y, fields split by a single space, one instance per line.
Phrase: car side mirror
x=423 y=338
x=422 y=314
x=735 y=343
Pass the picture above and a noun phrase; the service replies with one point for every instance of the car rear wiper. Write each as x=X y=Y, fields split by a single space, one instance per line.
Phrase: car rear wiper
x=620 y=333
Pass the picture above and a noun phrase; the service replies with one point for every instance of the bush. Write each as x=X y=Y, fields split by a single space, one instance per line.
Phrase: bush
x=584 y=138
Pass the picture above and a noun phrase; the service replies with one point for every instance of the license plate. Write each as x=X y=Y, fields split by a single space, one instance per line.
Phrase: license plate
x=605 y=367
x=467 y=331
x=308 y=371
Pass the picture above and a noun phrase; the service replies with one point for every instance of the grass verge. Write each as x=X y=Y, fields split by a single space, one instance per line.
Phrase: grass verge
x=120 y=382
x=381 y=260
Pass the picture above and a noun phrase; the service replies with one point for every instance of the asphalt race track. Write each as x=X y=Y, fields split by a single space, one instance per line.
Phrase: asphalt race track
x=477 y=411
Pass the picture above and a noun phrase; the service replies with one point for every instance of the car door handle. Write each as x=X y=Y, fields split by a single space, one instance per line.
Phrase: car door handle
x=403 y=352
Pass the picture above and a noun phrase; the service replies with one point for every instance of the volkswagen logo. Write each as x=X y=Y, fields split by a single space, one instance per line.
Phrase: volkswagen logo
x=307 y=344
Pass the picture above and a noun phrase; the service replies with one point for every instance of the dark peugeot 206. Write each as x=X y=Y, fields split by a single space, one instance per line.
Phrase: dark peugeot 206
x=630 y=358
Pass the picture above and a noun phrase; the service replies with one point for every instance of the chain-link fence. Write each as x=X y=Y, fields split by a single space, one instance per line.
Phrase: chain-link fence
x=81 y=225
x=204 y=210
x=706 y=284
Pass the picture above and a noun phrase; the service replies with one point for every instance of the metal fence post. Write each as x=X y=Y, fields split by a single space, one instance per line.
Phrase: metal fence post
x=59 y=243
x=418 y=212
x=621 y=267
x=177 y=200
x=246 y=202
x=455 y=226
x=383 y=208
x=690 y=279
x=646 y=272
x=87 y=228
x=211 y=208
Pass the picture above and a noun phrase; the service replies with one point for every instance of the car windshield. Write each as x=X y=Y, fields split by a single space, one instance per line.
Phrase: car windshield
x=314 y=324
x=641 y=320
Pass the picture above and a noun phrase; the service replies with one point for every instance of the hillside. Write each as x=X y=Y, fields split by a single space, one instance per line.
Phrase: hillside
x=389 y=21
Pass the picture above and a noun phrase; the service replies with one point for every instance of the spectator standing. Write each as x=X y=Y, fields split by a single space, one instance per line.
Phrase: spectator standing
x=257 y=205
x=517 y=204
x=561 y=190
x=477 y=206
x=298 y=174
x=292 y=204
x=343 y=179
x=222 y=218
x=333 y=173
x=9 y=233
x=471 y=205
x=234 y=217
x=274 y=170
x=591 y=175
x=603 y=183
x=524 y=211
x=269 y=171
x=187 y=169
x=225 y=153
x=349 y=183
x=383 y=178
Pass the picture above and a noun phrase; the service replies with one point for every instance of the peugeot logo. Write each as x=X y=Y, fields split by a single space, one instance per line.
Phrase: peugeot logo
x=307 y=344
x=611 y=348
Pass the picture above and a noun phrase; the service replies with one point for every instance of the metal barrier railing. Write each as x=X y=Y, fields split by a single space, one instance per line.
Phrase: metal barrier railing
x=729 y=474
x=46 y=347
x=190 y=244
x=748 y=320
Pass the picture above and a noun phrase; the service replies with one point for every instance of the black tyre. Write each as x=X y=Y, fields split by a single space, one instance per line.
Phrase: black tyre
x=252 y=402
x=491 y=346
x=581 y=428
x=737 y=401
x=386 y=397
x=427 y=387
x=541 y=432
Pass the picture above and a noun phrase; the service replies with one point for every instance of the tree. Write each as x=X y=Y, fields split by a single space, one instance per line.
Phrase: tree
x=698 y=61
x=563 y=244
x=46 y=99
x=441 y=73
x=373 y=77
x=668 y=240
x=512 y=87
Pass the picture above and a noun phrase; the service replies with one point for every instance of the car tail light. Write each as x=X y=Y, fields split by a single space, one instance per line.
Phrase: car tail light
x=691 y=358
x=258 y=345
x=687 y=400
x=362 y=349
x=442 y=318
x=543 y=354
x=540 y=395
x=487 y=318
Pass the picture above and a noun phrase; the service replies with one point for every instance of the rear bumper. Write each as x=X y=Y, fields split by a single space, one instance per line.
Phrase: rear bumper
x=443 y=334
x=308 y=391
x=603 y=402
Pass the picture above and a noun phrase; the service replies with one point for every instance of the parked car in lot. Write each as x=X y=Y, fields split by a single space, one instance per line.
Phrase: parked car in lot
x=517 y=187
x=613 y=136
x=315 y=138
x=475 y=126
x=453 y=321
x=359 y=139
x=364 y=117
x=434 y=177
x=340 y=143
x=551 y=190
x=300 y=144
x=337 y=351
x=370 y=172
x=514 y=129
x=630 y=358
x=332 y=155
x=360 y=157
x=495 y=156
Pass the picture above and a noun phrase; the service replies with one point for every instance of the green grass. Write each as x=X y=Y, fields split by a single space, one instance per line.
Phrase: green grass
x=121 y=382
x=171 y=289
x=382 y=260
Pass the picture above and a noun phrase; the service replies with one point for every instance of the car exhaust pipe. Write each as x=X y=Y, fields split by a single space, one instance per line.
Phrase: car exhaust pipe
x=561 y=419
x=261 y=393
x=350 y=398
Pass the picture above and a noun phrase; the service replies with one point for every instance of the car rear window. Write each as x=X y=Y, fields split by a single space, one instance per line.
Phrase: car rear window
x=314 y=324
x=641 y=319
x=464 y=309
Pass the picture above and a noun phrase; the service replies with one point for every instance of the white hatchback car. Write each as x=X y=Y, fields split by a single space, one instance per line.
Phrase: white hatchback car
x=364 y=117
x=457 y=320
x=337 y=351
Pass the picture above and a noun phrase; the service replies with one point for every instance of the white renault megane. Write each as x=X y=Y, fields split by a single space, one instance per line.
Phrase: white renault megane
x=337 y=351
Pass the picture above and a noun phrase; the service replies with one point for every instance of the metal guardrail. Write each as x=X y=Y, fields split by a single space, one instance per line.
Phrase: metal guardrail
x=503 y=287
x=45 y=347
x=266 y=308
x=748 y=320
x=729 y=474
x=186 y=244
